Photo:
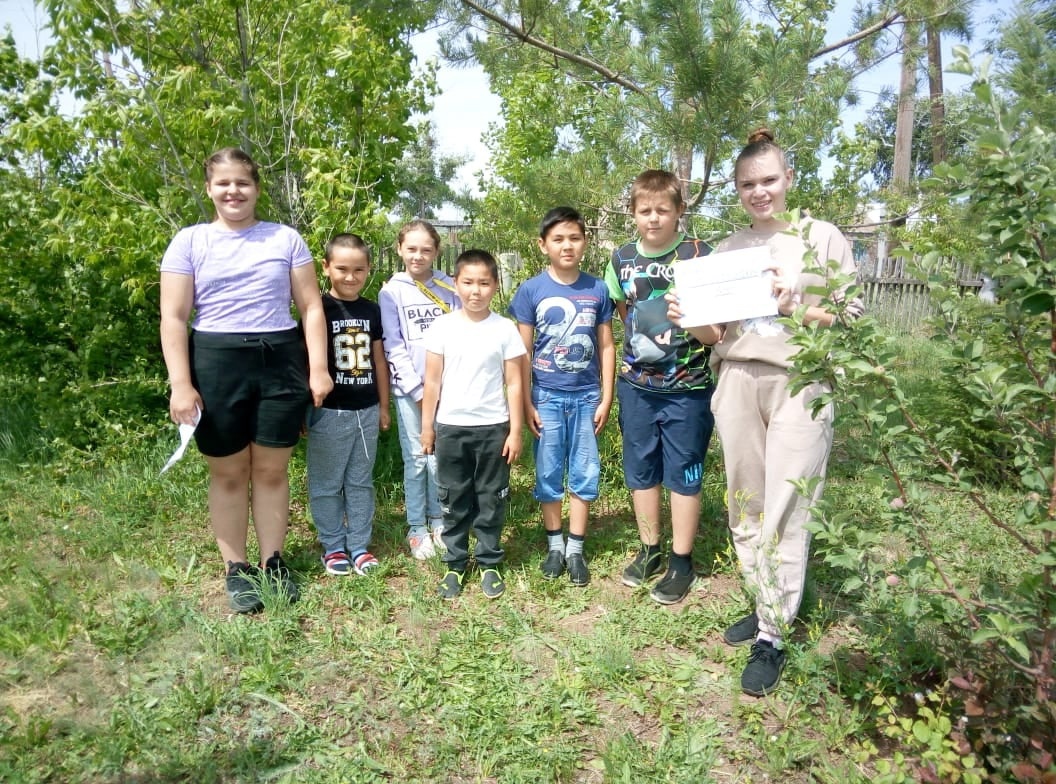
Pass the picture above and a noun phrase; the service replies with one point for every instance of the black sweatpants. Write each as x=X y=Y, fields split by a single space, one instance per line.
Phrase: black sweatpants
x=473 y=480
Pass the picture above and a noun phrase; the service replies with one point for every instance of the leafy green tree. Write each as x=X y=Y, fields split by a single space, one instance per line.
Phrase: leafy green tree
x=424 y=177
x=998 y=637
x=319 y=94
x=593 y=92
x=879 y=128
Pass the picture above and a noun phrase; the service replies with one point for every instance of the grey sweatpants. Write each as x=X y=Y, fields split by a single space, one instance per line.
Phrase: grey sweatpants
x=342 y=446
x=769 y=439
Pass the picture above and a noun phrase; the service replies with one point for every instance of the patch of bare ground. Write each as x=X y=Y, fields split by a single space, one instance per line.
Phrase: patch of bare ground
x=79 y=691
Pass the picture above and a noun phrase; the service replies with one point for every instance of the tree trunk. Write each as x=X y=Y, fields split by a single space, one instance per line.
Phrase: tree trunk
x=903 y=158
x=937 y=94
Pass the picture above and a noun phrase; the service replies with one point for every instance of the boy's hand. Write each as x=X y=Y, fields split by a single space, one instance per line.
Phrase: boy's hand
x=511 y=450
x=535 y=422
x=674 y=312
x=601 y=417
x=384 y=418
x=428 y=440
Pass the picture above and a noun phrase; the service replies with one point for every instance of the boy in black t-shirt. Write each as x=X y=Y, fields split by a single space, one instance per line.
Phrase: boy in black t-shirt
x=343 y=434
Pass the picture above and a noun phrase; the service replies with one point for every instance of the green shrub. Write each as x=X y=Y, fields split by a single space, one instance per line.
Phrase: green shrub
x=988 y=450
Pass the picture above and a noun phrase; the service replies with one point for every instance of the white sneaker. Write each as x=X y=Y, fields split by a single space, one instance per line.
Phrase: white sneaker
x=438 y=540
x=421 y=545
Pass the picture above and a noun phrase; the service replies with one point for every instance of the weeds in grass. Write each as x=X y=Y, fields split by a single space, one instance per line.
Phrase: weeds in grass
x=119 y=659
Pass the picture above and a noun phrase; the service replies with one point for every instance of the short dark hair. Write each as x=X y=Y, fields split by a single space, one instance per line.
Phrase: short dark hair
x=561 y=215
x=477 y=256
x=346 y=240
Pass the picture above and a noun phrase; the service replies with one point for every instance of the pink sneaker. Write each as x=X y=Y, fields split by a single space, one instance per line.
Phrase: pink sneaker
x=421 y=546
x=365 y=562
x=438 y=540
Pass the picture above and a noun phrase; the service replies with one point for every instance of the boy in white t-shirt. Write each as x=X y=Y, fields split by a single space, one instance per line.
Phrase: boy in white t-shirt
x=471 y=424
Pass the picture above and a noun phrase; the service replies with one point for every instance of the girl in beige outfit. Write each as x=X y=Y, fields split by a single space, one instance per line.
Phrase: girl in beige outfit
x=769 y=436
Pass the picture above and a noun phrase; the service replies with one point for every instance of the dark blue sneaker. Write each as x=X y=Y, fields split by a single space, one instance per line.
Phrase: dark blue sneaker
x=578 y=573
x=553 y=565
x=763 y=671
x=742 y=632
x=673 y=587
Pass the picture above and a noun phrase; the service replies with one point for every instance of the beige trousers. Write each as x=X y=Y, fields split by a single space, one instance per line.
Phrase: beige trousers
x=769 y=440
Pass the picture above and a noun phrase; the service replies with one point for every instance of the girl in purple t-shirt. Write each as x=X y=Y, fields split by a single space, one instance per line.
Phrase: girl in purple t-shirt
x=242 y=369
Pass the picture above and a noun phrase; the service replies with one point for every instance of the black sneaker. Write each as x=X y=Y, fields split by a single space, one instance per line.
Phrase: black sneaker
x=491 y=583
x=763 y=671
x=451 y=586
x=553 y=565
x=742 y=632
x=641 y=568
x=243 y=588
x=278 y=574
x=578 y=573
x=673 y=587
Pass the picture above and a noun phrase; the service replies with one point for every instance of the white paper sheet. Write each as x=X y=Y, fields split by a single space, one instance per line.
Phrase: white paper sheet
x=730 y=286
x=186 y=433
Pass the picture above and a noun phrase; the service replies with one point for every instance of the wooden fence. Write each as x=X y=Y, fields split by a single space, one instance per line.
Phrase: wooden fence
x=896 y=298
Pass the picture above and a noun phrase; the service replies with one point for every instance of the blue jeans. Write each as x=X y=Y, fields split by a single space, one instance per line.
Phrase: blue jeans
x=342 y=446
x=567 y=443
x=419 y=470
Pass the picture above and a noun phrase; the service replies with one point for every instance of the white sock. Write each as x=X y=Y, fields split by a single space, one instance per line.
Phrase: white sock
x=556 y=541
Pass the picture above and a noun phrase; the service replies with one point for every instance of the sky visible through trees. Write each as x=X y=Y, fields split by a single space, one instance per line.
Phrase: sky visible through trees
x=460 y=123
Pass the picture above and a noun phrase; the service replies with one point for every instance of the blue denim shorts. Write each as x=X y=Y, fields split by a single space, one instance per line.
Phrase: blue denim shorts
x=665 y=437
x=567 y=444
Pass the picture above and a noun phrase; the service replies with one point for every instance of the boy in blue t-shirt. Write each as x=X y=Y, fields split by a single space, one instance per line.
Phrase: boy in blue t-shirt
x=565 y=319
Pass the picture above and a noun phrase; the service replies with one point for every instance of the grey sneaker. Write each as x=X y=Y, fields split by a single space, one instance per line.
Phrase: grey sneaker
x=451 y=586
x=743 y=632
x=641 y=569
x=673 y=587
x=278 y=574
x=763 y=671
x=553 y=565
x=578 y=573
x=491 y=583
x=243 y=588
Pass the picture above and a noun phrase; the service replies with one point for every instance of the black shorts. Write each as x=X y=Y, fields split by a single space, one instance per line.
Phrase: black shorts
x=254 y=387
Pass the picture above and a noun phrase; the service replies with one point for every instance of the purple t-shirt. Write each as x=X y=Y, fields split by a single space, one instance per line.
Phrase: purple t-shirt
x=241 y=278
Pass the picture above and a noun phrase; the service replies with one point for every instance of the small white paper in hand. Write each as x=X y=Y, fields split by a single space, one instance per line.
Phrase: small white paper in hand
x=186 y=433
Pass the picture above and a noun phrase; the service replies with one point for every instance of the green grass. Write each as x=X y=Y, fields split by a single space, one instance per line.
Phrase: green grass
x=120 y=660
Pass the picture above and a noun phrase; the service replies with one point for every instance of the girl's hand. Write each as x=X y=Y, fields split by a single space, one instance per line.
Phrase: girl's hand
x=784 y=290
x=535 y=422
x=185 y=405
x=601 y=417
x=428 y=440
x=321 y=385
x=384 y=418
